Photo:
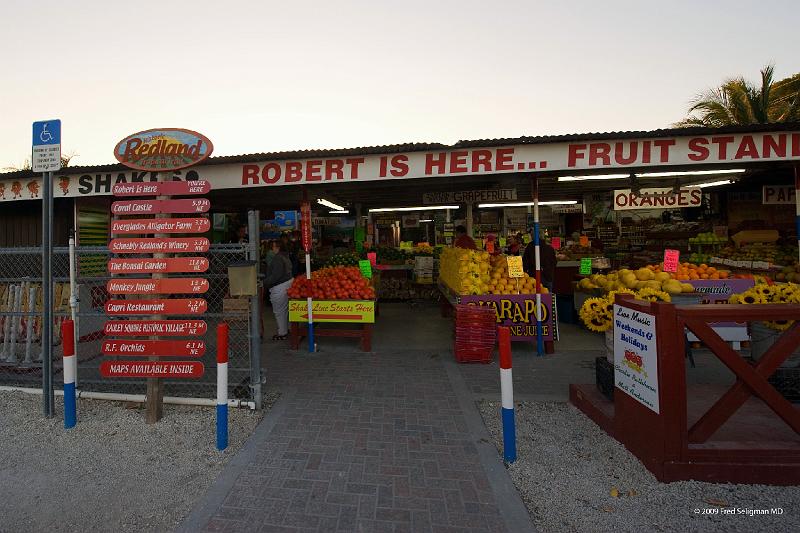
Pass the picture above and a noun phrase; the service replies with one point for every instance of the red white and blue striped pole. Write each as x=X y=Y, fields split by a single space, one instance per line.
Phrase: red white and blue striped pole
x=70 y=371
x=222 y=386
x=538 y=263
x=507 y=395
x=797 y=206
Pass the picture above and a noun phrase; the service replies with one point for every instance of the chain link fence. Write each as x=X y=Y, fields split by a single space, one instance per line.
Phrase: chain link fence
x=21 y=322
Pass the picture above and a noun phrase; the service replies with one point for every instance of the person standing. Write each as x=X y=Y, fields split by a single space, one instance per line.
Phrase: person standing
x=463 y=240
x=547 y=261
x=279 y=279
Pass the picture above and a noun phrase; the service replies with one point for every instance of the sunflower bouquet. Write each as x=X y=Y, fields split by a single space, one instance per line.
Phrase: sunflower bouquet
x=597 y=314
x=763 y=293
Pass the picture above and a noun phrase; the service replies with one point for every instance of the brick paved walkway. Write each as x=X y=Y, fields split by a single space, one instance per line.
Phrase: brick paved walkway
x=363 y=442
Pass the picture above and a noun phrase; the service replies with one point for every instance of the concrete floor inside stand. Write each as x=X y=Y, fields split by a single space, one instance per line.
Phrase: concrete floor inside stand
x=420 y=327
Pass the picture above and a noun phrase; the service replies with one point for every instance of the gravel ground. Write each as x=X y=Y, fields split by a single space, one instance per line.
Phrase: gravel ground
x=567 y=469
x=112 y=472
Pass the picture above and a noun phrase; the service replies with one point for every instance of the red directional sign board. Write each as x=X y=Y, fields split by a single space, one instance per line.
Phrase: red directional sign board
x=305 y=225
x=151 y=369
x=168 y=348
x=164 y=328
x=155 y=188
x=161 y=225
x=177 y=306
x=157 y=286
x=147 y=265
x=151 y=207
x=159 y=245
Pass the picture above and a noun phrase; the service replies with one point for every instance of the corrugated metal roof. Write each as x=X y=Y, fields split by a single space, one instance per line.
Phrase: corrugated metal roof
x=422 y=147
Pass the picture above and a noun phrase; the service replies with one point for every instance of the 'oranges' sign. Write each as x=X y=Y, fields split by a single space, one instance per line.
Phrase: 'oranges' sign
x=163 y=149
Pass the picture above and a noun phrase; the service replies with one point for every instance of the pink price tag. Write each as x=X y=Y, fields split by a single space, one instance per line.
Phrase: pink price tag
x=671 y=258
x=373 y=258
x=556 y=243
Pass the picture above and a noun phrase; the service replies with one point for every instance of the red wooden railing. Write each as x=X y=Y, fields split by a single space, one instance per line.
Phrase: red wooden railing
x=751 y=378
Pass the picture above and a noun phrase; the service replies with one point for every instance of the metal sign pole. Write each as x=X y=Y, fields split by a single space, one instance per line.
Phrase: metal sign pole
x=253 y=224
x=48 y=394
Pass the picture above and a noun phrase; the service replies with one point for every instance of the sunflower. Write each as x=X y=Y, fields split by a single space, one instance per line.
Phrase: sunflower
x=621 y=290
x=780 y=325
x=766 y=291
x=595 y=315
x=653 y=295
x=734 y=299
x=751 y=296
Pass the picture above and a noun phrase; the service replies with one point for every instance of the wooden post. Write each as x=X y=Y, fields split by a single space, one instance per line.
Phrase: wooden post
x=154 y=399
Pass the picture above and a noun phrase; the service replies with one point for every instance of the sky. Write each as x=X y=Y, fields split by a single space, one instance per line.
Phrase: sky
x=271 y=76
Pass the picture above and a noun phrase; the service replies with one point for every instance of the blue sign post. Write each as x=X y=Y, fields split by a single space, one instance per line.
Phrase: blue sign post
x=46 y=158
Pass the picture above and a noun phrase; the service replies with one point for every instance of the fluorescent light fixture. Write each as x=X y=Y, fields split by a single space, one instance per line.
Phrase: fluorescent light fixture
x=326 y=203
x=424 y=208
x=525 y=204
x=340 y=212
x=652 y=174
x=691 y=173
x=426 y=220
x=595 y=177
x=711 y=183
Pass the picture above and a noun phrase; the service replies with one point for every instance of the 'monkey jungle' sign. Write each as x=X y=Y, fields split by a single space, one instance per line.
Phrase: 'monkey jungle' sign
x=563 y=157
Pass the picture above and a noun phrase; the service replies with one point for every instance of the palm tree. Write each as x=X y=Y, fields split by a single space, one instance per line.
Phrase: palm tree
x=737 y=101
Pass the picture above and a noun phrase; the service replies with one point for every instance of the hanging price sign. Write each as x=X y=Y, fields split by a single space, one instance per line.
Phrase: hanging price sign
x=166 y=188
x=366 y=268
x=555 y=242
x=586 y=266
x=169 y=264
x=671 y=258
x=515 y=269
x=178 y=306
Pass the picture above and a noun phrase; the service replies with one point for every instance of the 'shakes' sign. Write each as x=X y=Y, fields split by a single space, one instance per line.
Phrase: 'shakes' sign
x=163 y=149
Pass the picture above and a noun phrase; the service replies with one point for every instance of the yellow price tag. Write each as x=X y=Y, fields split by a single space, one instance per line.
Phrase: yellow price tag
x=515 y=266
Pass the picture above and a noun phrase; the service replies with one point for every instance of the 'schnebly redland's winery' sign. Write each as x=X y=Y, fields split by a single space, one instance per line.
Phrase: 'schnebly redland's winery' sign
x=156 y=245
x=175 y=306
x=657 y=198
x=163 y=149
x=147 y=328
x=160 y=225
x=711 y=150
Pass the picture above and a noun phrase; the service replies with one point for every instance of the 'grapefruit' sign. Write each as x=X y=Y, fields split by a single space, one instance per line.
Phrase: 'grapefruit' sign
x=163 y=149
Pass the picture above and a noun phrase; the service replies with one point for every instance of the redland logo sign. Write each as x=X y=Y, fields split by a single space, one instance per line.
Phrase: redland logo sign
x=163 y=149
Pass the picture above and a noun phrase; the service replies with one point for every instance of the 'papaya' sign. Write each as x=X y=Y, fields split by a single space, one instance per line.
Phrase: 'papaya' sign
x=163 y=149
